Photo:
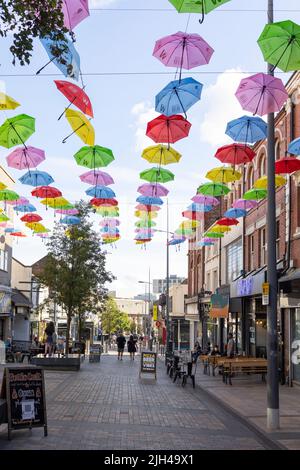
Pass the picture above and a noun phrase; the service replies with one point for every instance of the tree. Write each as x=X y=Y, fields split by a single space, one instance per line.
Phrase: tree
x=113 y=319
x=74 y=270
x=133 y=326
x=28 y=20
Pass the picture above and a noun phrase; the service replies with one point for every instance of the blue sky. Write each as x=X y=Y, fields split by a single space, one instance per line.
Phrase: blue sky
x=123 y=41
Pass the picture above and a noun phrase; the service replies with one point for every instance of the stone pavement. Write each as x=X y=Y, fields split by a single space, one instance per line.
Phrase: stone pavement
x=106 y=406
x=248 y=397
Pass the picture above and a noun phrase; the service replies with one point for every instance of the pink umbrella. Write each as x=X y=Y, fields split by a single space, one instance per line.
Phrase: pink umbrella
x=97 y=178
x=74 y=12
x=22 y=201
x=109 y=222
x=67 y=211
x=156 y=190
x=142 y=207
x=244 y=204
x=183 y=50
x=3 y=224
x=193 y=215
x=143 y=231
x=205 y=200
x=25 y=158
x=261 y=94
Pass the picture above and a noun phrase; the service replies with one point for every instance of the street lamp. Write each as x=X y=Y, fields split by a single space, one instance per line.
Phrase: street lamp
x=149 y=299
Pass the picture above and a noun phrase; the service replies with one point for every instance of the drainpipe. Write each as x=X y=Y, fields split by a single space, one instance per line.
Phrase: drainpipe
x=289 y=188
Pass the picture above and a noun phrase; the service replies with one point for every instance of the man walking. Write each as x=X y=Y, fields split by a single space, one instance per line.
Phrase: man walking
x=121 y=341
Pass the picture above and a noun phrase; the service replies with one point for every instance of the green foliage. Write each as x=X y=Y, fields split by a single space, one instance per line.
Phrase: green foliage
x=133 y=326
x=29 y=19
x=112 y=319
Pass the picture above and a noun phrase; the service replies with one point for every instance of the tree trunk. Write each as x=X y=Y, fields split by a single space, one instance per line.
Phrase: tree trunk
x=68 y=331
x=79 y=326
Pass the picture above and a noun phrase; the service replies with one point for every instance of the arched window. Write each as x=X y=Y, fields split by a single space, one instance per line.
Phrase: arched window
x=262 y=165
x=250 y=178
x=277 y=150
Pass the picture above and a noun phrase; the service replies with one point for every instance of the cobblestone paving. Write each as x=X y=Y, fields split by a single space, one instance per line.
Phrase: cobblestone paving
x=106 y=406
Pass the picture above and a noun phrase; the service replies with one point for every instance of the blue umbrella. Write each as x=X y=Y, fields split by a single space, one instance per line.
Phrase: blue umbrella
x=178 y=96
x=247 y=129
x=10 y=230
x=199 y=208
x=101 y=192
x=235 y=213
x=70 y=220
x=110 y=230
x=67 y=61
x=176 y=241
x=150 y=201
x=142 y=237
x=36 y=178
x=25 y=208
x=294 y=147
x=205 y=244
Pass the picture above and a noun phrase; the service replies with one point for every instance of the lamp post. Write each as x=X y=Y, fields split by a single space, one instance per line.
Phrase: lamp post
x=149 y=301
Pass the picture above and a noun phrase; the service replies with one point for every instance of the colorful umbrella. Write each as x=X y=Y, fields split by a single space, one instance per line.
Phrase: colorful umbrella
x=244 y=204
x=262 y=183
x=71 y=220
x=178 y=96
x=2 y=186
x=161 y=154
x=10 y=230
x=197 y=6
x=94 y=157
x=157 y=175
x=280 y=45
x=98 y=202
x=74 y=12
x=25 y=157
x=56 y=203
x=189 y=224
x=36 y=226
x=148 y=200
x=168 y=129
x=81 y=127
x=154 y=190
x=211 y=234
x=294 y=147
x=145 y=208
x=18 y=234
x=213 y=189
x=16 y=130
x=36 y=178
x=184 y=231
x=255 y=194
x=8 y=195
x=76 y=96
x=3 y=218
x=183 y=51
x=235 y=213
x=6 y=102
x=19 y=202
x=25 y=208
x=208 y=240
x=145 y=215
x=261 y=94
x=67 y=211
x=102 y=192
x=205 y=243
x=235 y=154
x=227 y=221
x=145 y=223
x=108 y=211
x=248 y=129
x=223 y=174
x=176 y=241
x=31 y=218
x=110 y=222
x=220 y=229
x=287 y=165
x=205 y=200
x=199 y=208
x=96 y=178
x=63 y=54
x=193 y=215
x=46 y=192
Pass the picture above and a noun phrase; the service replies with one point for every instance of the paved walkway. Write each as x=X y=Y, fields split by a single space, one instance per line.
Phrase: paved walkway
x=106 y=406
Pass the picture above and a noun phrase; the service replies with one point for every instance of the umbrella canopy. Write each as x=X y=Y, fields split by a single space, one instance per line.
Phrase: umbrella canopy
x=261 y=94
x=280 y=45
x=76 y=96
x=244 y=204
x=6 y=102
x=145 y=215
x=262 y=183
x=247 y=129
x=154 y=190
x=199 y=208
x=56 y=202
x=31 y=218
x=102 y=192
x=255 y=194
x=16 y=130
x=168 y=129
x=71 y=220
x=196 y=6
x=81 y=127
x=19 y=202
x=287 y=165
x=205 y=200
x=176 y=241
x=18 y=234
x=64 y=55
x=3 y=218
x=94 y=157
x=235 y=213
x=157 y=175
x=208 y=240
x=147 y=208
x=223 y=174
x=108 y=211
x=36 y=226
x=74 y=12
x=193 y=215
x=8 y=195
x=2 y=186
x=25 y=208
x=145 y=223
x=211 y=234
x=189 y=224
x=161 y=154
x=36 y=178
x=183 y=50
x=96 y=178
x=148 y=200
x=98 y=202
x=9 y=230
x=25 y=157
x=294 y=147
x=205 y=243
x=67 y=211
x=178 y=96
x=213 y=189
x=220 y=229
x=235 y=154
x=46 y=192
x=110 y=222
x=227 y=221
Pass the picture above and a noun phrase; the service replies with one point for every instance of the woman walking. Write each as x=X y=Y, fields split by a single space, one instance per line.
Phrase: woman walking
x=50 y=330
x=131 y=347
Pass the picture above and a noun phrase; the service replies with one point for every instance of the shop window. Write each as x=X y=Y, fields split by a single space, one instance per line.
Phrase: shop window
x=251 y=252
x=263 y=247
x=234 y=257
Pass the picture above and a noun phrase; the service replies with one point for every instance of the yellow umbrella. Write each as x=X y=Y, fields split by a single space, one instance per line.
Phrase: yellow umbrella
x=161 y=154
x=189 y=224
x=55 y=202
x=81 y=126
x=262 y=183
x=36 y=226
x=2 y=186
x=223 y=174
x=146 y=214
x=109 y=211
x=6 y=102
x=220 y=229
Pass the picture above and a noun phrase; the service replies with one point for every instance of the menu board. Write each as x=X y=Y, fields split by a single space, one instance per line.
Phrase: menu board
x=24 y=390
x=95 y=353
x=148 y=363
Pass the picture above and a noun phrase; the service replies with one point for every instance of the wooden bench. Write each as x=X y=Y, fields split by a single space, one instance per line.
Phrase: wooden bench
x=243 y=366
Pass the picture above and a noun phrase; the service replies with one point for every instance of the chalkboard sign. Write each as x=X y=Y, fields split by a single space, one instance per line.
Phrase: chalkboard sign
x=24 y=390
x=95 y=353
x=148 y=363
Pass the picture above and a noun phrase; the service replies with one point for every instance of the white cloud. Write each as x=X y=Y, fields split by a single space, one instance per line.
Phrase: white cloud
x=222 y=106
x=144 y=113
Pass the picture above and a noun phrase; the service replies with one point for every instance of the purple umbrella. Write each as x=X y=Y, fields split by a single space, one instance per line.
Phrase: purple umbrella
x=205 y=200
x=67 y=211
x=208 y=240
x=97 y=178
x=25 y=158
x=154 y=190
x=74 y=12
x=109 y=222
x=261 y=94
x=183 y=50
x=22 y=201
x=244 y=204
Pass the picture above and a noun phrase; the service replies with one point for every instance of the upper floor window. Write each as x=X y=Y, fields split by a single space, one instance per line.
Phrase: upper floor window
x=3 y=260
x=251 y=252
x=263 y=246
x=234 y=260
x=262 y=166
x=250 y=178
x=277 y=150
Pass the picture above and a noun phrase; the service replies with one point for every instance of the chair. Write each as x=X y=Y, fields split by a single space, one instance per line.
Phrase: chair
x=188 y=374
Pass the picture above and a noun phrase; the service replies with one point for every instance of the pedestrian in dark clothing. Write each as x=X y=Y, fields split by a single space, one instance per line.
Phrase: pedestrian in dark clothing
x=208 y=348
x=215 y=351
x=50 y=330
x=131 y=347
x=121 y=341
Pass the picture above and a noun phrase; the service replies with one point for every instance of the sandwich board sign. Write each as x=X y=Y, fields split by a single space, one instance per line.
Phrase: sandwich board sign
x=148 y=363
x=95 y=353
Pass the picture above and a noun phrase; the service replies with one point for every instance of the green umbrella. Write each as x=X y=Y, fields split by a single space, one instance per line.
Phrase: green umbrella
x=184 y=231
x=213 y=189
x=8 y=195
x=213 y=235
x=94 y=156
x=280 y=45
x=3 y=218
x=16 y=130
x=145 y=223
x=255 y=194
x=157 y=175
x=196 y=6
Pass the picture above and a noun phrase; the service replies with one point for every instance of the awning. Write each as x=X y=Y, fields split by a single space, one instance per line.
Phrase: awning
x=291 y=276
x=19 y=300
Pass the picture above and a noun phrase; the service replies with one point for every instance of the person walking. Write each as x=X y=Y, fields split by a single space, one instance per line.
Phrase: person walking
x=49 y=331
x=131 y=347
x=121 y=341
x=230 y=346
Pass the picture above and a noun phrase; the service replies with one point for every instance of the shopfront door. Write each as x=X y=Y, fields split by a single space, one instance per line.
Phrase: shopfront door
x=295 y=349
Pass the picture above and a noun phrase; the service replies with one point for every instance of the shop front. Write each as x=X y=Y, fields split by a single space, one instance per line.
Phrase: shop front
x=180 y=335
x=6 y=314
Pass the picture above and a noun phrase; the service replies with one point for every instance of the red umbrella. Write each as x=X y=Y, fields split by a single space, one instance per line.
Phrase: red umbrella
x=235 y=154
x=168 y=129
x=31 y=218
x=227 y=221
x=96 y=201
x=287 y=165
x=193 y=215
x=17 y=234
x=46 y=192
x=76 y=96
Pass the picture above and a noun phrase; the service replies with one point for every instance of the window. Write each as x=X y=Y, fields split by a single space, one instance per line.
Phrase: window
x=3 y=260
x=250 y=178
x=251 y=253
x=262 y=166
x=277 y=239
x=234 y=260
x=277 y=150
x=208 y=281
x=215 y=280
x=263 y=247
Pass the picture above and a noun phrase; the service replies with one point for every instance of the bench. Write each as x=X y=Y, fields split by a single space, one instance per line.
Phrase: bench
x=243 y=366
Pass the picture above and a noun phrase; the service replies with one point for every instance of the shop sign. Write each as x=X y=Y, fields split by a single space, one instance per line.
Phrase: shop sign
x=265 y=293
x=245 y=287
x=154 y=312
x=219 y=306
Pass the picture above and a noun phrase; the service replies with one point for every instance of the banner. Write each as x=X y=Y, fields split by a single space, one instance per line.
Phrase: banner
x=219 y=306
